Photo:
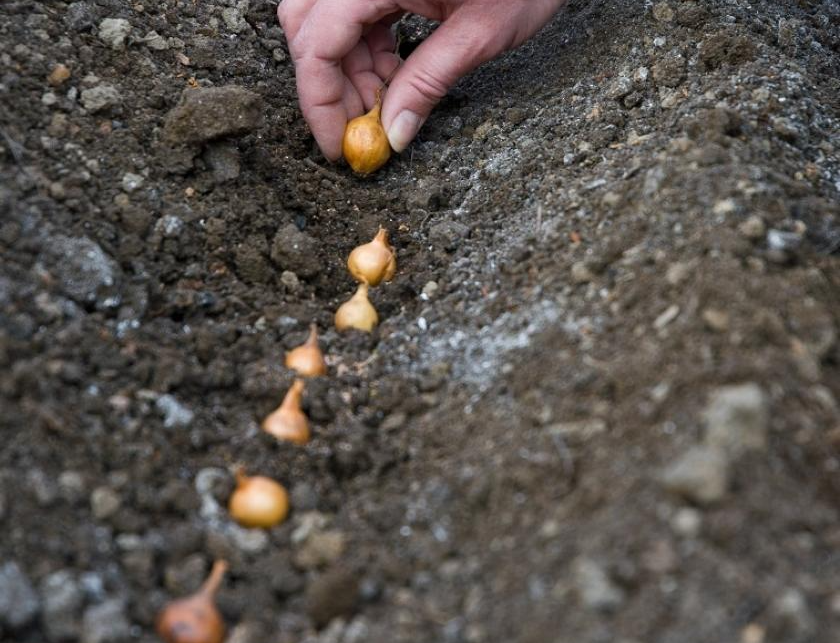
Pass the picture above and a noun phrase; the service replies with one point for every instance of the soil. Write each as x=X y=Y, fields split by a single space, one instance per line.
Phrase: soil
x=595 y=234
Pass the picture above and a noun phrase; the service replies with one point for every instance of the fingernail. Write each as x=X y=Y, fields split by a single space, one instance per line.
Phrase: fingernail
x=403 y=129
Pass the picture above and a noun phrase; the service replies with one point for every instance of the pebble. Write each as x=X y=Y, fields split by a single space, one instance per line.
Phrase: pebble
x=581 y=274
x=790 y=614
x=678 y=272
x=666 y=317
x=296 y=251
x=753 y=228
x=63 y=599
x=249 y=541
x=59 y=74
x=113 y=32
x=737 y=419
x=701 y=474
x=104 y=503
x=663 y=12
x=155 y=41
x=19 y=603
x=96 y=99
x=579 y=430
x=175 y=414
x=169 y=226
x=687 y=522
x=208 y=113
x=233 y=17
x=71 y=486
x=81 y=267
x=80 y=16
x=594 y=587
x=320 y=549
x=429 y=290
x=106 y=623
x=716 y=319
x=290 y=280
x=247 y=632
x=132 y=182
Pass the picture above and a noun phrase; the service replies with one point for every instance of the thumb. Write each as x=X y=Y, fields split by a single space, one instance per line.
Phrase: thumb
x=453 y=50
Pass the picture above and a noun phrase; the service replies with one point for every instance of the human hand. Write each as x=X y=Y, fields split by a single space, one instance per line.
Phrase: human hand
x=343 y=51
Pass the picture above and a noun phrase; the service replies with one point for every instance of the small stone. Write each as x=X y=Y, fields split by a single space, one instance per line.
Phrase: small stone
x=783 y=241
x=737 y=418
x=175 y=414
x=663 y=12
x=594 y=587
x=716 y=320
x=753 y=228
x=207 y=113
x=670 y=70
x=515 y=115
x=700 y=474
x=113 y=32
x=80 y=16
x=666 y=317
x=104 y=503
x=790 y=615
x=678 y=272
x=132 y=182
x=169 y=226
x=63 y=598
x=290 y=280
x=320 y=549
x=59 y=74
x=581 y=274
x=620 y=88
x=296 y=251
x=429 y=290
x=100 y=97
x=19 y=603
x=687 y=522
x=247 y=632
x=155 y=41
x=233 y=19
x=106 y=623
x=332 y=594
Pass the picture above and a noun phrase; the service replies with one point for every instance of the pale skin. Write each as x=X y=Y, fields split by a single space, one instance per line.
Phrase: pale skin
x=344 y=50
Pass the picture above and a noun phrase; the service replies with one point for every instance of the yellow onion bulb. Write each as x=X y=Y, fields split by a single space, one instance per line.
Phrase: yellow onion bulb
x=373 y=262
x=365 y=145
x=195 y=618
x=288 y=422
x=307 y=359
x=357 y=312
x=258 y=501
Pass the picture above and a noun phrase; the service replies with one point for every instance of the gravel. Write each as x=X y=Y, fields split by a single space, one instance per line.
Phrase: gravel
x=63 y=599
x=737 y=418
x=82 y=269
x=114 y=31
x=595 y=588
x=106 y=623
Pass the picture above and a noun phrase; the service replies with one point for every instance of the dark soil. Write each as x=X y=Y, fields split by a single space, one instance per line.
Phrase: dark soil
x=594 y=233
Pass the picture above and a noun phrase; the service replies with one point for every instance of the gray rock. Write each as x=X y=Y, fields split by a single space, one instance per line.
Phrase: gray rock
x=175 y=414
x=736 y=419
x=448 y=234
x=296 y=251
x=169 y=226
x=594 y=587
x=113 y=32
x=100 y=97
x=63 y=599
x=104 y=503
x=223 y=159
x=233 y=17
x=320 y=549
x=80 y=16
x=19 y=603
x=207 y=113
x=106 y=623
x=701 y=474
x=132 y=182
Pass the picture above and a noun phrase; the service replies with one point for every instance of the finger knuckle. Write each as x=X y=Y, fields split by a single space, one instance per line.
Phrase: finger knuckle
x=428 y=84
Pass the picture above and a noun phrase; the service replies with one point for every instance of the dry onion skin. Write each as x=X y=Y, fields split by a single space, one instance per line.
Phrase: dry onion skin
x=373 y=262
x=195 y=618
x=288 y=422
x=365 y=145
x=307 y=359
x=357 y=312
x=258 y=501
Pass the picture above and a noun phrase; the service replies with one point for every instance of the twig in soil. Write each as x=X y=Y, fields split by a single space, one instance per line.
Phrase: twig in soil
x=327 y=173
